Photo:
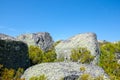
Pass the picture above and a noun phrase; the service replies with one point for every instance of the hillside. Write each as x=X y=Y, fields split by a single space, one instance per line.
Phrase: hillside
x=35 y=56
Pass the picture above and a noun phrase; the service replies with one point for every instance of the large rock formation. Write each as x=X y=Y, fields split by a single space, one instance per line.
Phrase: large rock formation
x=14 y=54
x=14 y=51
x=66 y=70
x=6 y=37
x=88 y=40
x=41 y=39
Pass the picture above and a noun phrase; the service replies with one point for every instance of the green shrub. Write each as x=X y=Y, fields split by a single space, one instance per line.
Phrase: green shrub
x=10 y=74
x=99 y=78
x=56 y=43
x=18 y=73
x=82 y=55
x=89 y=77
x=60 y=59
x=41 y=77
x=84 y=77
x=49 y=56
x=108 y=60
x=82 y=69
x=35 y=54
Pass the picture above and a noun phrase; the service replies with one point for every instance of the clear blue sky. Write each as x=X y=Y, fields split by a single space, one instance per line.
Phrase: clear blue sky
x=61 y=18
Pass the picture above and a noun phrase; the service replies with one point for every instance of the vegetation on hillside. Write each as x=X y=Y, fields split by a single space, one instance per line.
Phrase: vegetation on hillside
x=56 y=43
x=10 y=74
x=37 y=56
x=108 y=60
x=89 y=77
x=41 y=77
x=82 y=55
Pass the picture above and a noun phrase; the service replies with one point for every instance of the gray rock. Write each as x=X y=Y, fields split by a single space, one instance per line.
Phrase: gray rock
x=41 y=39
x=14 y=54
x=117 y=55
x=68 y=71
x=88 y=40
x=14 y=51
x=6 y=37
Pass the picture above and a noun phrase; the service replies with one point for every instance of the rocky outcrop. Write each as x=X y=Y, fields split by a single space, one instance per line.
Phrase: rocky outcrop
x=14 y=54
x=6 y=37
x=66 y=70
x=87 y=40
x=41 y=39
x=14 y=51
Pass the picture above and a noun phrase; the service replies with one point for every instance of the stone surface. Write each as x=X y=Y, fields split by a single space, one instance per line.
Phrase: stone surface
x=14 y=51
x=41 y=39
x=88 y=40
x=66 y=70
x=117 y=55
x=6 y=37
x=14 y=54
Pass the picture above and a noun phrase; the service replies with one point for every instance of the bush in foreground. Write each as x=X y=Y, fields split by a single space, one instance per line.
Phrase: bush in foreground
x=10 y=74
x=37 y=56
x=82 y=55
x=108 y=60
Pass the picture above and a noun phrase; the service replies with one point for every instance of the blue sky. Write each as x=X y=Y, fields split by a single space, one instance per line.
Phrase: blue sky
x=61 y=18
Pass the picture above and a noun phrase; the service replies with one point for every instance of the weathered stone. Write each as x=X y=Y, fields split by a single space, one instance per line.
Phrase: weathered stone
x=117 y=56
x=65 y=70
x=6 y=37
x=14 y=54
x=87 y=40
x=41 y=39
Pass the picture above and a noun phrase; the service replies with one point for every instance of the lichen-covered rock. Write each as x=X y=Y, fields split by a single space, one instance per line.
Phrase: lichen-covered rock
x=86 y=40
x=14 y=54
x=66 y=70
x=41 y=39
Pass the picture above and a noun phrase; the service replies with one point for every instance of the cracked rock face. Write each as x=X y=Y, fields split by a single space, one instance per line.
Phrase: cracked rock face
x=65 y=70
x=41 y=39
x=87 y=40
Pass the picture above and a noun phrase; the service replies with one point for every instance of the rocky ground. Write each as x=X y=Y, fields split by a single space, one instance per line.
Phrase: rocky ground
x=67 y=70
